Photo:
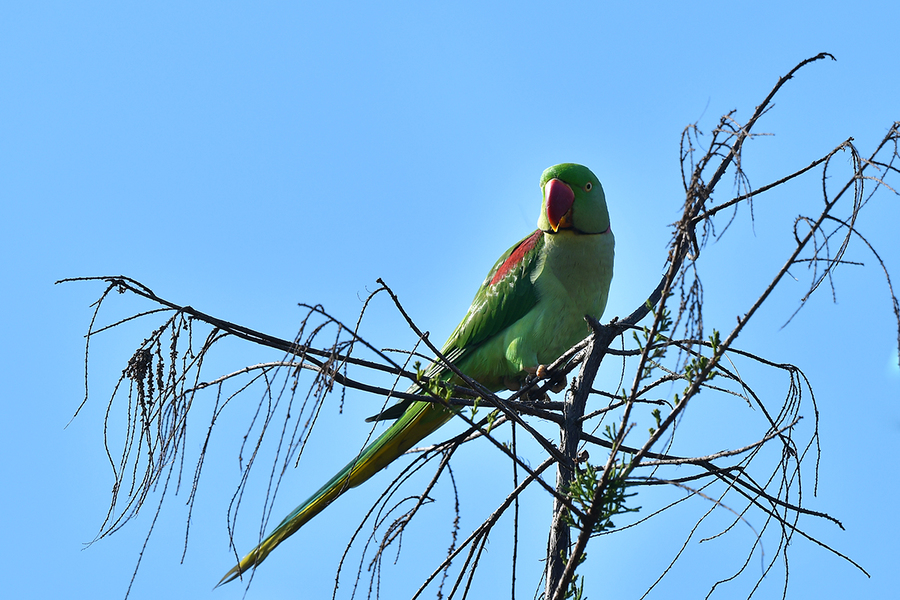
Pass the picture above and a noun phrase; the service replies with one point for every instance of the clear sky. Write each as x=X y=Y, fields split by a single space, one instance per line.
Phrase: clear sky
x=244 y=157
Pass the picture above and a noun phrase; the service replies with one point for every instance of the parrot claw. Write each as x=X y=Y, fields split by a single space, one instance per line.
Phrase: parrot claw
x=558 y=382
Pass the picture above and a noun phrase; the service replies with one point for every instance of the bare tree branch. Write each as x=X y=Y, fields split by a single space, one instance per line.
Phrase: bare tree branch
x=163 y=388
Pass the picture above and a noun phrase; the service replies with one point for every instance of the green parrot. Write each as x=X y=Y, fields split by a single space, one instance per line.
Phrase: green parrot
x=527 y=312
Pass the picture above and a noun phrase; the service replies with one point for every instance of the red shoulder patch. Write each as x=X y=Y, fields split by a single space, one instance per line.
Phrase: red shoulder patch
x=516 y=257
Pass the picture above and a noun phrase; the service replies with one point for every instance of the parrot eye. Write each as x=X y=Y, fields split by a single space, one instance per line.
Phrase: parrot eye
x=588 y=186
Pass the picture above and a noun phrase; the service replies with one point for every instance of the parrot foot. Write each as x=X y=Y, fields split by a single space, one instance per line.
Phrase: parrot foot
x=557 y=382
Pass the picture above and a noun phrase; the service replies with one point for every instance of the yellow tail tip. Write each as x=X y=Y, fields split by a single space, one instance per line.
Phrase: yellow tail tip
x=231 y=575
x=247 y=564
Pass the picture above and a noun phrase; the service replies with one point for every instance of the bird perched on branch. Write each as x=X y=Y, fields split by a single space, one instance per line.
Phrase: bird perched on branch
x=528 y=311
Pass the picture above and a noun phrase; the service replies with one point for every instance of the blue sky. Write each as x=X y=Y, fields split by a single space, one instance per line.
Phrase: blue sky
x=246 y=157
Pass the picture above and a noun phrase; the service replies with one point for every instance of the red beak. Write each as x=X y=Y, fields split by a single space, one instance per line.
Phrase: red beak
x=560 y=198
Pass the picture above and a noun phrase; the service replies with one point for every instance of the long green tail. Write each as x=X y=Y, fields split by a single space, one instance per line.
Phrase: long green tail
x=419 y=420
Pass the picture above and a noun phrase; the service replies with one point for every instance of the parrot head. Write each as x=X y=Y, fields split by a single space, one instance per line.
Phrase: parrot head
x=573 y=199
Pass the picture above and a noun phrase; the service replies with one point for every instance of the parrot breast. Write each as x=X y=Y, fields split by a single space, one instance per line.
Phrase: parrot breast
x=571 y=280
